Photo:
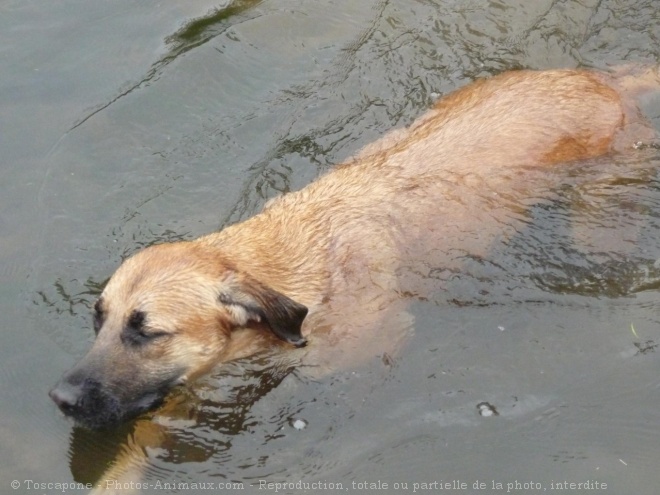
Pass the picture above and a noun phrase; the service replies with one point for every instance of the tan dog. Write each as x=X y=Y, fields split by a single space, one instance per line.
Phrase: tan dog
x=343 y=249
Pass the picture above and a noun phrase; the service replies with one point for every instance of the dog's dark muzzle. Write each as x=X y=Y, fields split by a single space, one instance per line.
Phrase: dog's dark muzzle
x=86 y=402
x=97 y=406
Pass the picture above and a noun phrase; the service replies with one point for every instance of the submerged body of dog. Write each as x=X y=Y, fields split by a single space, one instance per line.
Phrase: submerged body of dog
x=173 y=311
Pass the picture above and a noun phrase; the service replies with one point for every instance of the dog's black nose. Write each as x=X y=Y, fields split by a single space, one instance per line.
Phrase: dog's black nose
x=66 y=396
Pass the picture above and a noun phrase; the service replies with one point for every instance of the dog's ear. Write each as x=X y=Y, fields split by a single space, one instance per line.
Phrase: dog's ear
x=249 y=300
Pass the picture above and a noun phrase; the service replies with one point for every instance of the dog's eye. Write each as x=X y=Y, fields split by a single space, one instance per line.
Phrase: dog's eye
x=98 y=316
x=136 y=333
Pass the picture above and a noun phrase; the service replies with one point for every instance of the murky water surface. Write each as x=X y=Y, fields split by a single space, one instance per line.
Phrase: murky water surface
x=129 y=123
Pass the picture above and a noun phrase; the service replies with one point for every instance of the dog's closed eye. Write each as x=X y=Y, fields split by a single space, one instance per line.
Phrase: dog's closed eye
x=137 y=332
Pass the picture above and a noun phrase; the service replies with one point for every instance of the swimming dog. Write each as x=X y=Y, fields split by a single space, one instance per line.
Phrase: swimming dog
x=174 y=311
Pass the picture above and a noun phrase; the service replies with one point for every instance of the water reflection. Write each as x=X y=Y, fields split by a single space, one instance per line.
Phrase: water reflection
x=195 y=425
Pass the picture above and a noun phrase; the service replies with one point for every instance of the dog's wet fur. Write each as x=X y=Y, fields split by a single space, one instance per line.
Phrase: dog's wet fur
x=174 y=311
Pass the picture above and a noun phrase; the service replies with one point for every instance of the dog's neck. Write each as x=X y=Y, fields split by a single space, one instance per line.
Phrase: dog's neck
x=250 y=340
x=270 y=252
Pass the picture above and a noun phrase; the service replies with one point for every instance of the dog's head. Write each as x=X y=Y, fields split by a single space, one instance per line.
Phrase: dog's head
x=169 y=314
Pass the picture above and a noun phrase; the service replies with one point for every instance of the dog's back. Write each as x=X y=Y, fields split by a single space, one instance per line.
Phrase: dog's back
x=524 y=118
x=415 y=188
x=491 y=128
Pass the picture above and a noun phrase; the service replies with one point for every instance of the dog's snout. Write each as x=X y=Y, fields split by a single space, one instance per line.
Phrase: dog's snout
x=66 y=396
x=98 y=405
